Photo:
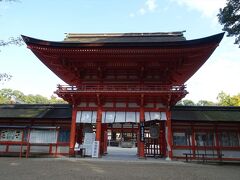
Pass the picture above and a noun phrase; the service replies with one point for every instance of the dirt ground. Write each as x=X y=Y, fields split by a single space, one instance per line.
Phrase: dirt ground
x=86 y=169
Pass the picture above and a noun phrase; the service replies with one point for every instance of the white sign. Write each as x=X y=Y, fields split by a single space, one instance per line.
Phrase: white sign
x=95 y=149
x=89 y=139
x=11 y=135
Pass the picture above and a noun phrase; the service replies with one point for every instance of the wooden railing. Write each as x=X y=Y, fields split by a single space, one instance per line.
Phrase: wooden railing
x=121 y=88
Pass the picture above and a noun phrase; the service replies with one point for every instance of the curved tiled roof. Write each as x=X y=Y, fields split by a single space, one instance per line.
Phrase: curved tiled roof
x=206 y=113
x=63 y=111
x=36 y=111
x=125 y=37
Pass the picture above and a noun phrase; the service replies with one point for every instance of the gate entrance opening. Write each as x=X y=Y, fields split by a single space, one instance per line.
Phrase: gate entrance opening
x=122 y=139
x=155 y=142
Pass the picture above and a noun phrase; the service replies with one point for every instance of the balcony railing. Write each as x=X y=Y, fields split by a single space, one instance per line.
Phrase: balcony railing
x=121 y=88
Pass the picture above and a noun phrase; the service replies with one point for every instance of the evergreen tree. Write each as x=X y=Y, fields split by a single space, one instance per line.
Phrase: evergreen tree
x=229 y=16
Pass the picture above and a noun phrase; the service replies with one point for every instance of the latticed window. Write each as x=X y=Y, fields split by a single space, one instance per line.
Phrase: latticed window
x=230 y=139
x=204 y=139
x=181 y=139
x=64 y=135
x=43 y=136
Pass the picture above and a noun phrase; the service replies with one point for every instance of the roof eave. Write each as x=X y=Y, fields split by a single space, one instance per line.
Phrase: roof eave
x=61 y=44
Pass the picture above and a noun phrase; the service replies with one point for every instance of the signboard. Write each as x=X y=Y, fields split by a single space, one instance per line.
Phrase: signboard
x=154 y=131
x=95 y=149
x=89 y=139
x=142 y=131
x=11 y=135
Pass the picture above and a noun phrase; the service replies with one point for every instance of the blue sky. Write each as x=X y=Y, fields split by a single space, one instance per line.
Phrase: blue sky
x=49 y=20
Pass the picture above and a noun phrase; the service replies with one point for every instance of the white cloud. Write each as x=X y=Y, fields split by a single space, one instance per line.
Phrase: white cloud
x=151 y=5
x=208 y=8
x=148 y=6
x=132 y=15
x=142 y=11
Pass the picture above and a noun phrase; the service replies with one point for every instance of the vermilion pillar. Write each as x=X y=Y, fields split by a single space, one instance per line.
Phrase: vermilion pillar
x=73 y=131
x=193 y=141
x=169 y=135
x=218 y=145
x=104 y=139
x=141 y=134
x=98 y=126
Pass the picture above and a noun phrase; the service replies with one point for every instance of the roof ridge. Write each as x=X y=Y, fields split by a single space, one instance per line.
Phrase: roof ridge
x=140 y=34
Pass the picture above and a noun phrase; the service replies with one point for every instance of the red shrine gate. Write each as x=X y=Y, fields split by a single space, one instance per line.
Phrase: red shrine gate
x=132 y=78
x=125 y=104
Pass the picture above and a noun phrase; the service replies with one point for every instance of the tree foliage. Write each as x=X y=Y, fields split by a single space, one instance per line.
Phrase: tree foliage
x=12 y=41
x=229 y=16
x=227 y=100
x=223 y=99
x=205 y=103
x=5 y=77
x=186 y=102
x=8 y=96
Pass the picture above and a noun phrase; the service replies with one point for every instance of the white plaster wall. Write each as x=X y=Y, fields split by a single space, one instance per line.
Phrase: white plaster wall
x=14 y=148
x=63 y=149
x=40 y=149
x=179 y=152
x=2 y=148
x=231 y=154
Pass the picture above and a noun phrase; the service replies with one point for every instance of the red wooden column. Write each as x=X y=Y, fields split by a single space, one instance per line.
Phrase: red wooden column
x=73 y=131
x=164 y=144
x=218 y=145
x=104 y=139
x=141 y=153
x=193 y=141
x=99 y=127
x=169 y=135
x=162 y=139
x=79 y=135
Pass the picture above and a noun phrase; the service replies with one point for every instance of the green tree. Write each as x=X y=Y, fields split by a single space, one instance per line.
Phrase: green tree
x=229 y=17
x=36 y=99
x=4 y=100
x=11 y=41
x=188 y=102
x=5 y=77
x=8 y=96
x=55 y=100
x=227 y=100
x=205 y=103
x=185 y=102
